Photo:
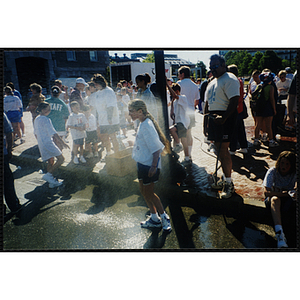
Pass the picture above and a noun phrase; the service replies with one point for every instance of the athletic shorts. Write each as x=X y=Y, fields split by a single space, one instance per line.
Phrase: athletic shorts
x=223 y=132
x=143 y=174
x=91 y=137
x=181 y=130
x=266 y=111
x=14 y=116
x=79 y=142
x=109 y=129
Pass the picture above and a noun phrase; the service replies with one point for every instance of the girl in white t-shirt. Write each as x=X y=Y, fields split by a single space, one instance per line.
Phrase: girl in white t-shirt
x=149 y=143
x=47 y=139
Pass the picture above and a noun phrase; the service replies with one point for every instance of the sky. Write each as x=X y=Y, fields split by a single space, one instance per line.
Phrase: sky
x=193 y=56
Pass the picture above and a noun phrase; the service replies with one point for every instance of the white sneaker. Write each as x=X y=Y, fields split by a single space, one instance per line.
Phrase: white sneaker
x=243 y=150
x=55 y=183
x=48 y=177
x=228 y=190
x=166 y=224
x=90 y=155
x=75 y=160
x=281 y=240
x=82 y=159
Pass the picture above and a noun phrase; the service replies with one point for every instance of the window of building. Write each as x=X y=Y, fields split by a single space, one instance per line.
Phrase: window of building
x=71 y=56
x=93 y=56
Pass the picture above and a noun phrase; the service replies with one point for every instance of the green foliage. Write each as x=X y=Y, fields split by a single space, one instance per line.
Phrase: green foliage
x=270 y=60
x=254 y=64
x=201 y=65
x=149 y=58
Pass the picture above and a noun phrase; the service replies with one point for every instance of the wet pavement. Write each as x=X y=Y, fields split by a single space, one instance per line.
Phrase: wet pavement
x=96 y=211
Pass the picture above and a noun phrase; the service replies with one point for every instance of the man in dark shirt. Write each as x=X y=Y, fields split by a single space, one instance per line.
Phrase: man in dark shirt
x=76 y=94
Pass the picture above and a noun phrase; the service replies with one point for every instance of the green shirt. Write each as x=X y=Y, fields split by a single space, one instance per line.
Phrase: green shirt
x=59 y=113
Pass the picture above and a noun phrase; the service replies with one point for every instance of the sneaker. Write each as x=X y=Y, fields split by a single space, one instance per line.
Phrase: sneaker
x=256 y=142
x=243 y=150
x=75 y=160
x=232 y=152
x=22 y=141
x=23 y=134
x=48 y=177
x=219 y=185
x=90 y=155
x=178 y=148
x=55 y=183
x=264 y=138
x=227 y=191
x=272 y=144
x=281 y=240
x=96 y=154
x=149 y=223
x=82 y=159
x=166 y=224
x=187 y=162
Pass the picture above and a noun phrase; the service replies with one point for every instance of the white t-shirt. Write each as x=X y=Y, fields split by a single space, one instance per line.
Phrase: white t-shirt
x=220 y=90
x=191 y=91
x=180 y=110
x=126 y=99
x=146 y=143
x=91 y=123
x=12 y=103
x=77 y=120
x=283 y=84
x=44 y=130
x=106 y=98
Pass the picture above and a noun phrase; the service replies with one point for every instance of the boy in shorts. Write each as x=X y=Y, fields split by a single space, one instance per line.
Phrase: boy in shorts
x=91 y=133
x=77 y=124
x=179 y=114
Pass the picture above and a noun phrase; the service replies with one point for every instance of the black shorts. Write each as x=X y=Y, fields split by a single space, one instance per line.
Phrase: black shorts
x=143 y=174
x=109 y=129
x=79 y=142
x=181 y=130
x=223 y=132
x=91 y=137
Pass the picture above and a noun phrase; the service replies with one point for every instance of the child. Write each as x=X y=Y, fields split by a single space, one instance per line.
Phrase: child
x=12 y=108
x=77 y=124
x=45 y=135
x=91 y=133
x=279 y=183
x=146 y=152
x=182 y=121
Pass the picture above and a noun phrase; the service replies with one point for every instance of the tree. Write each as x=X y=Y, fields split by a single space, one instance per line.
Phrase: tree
x=254 y=64
x=149 y=58
x=270 y=60
x=202 y=66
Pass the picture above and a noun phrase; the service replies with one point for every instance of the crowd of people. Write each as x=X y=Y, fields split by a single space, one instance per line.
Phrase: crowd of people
x=93 y=113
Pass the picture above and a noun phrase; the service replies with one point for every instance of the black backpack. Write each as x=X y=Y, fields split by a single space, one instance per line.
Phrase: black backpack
x=258 y=100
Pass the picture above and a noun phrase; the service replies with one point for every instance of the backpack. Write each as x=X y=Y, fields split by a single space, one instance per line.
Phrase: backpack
x=258 y=100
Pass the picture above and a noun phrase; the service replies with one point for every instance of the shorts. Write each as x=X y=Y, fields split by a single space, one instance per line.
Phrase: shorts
x=143 y=174
x=91 y=137
x=192 y=121
x=14 y=116
x=181 y=130
x=286 y=203
x=266 y=111
x=109 y=129
x=78 y=142
x=223 y=132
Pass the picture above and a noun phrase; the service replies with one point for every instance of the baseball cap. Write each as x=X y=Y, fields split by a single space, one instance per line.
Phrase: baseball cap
x=81 y=80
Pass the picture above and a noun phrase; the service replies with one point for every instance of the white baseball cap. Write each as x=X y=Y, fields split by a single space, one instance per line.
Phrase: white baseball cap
x=81 y=80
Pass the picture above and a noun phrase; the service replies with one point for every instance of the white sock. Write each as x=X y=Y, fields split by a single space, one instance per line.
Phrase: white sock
x=187 y=158
x=190 y=150
x=278 y=228
x=164 y=215
x=154 y=217
x=228 y=179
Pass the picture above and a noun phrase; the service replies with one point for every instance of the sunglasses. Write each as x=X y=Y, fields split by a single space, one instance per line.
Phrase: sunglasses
x=215 y=67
